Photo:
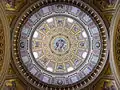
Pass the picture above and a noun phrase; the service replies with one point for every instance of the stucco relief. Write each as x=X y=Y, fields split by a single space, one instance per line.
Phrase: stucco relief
x=13 y=5
x=106 y=4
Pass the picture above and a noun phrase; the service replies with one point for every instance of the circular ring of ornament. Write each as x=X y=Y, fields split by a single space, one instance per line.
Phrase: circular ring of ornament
x=60 y=45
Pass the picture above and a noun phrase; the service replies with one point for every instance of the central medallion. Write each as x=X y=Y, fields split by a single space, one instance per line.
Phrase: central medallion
x=60 y=44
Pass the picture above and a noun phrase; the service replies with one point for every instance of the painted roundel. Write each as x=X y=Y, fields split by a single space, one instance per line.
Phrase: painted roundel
x=60 y=45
